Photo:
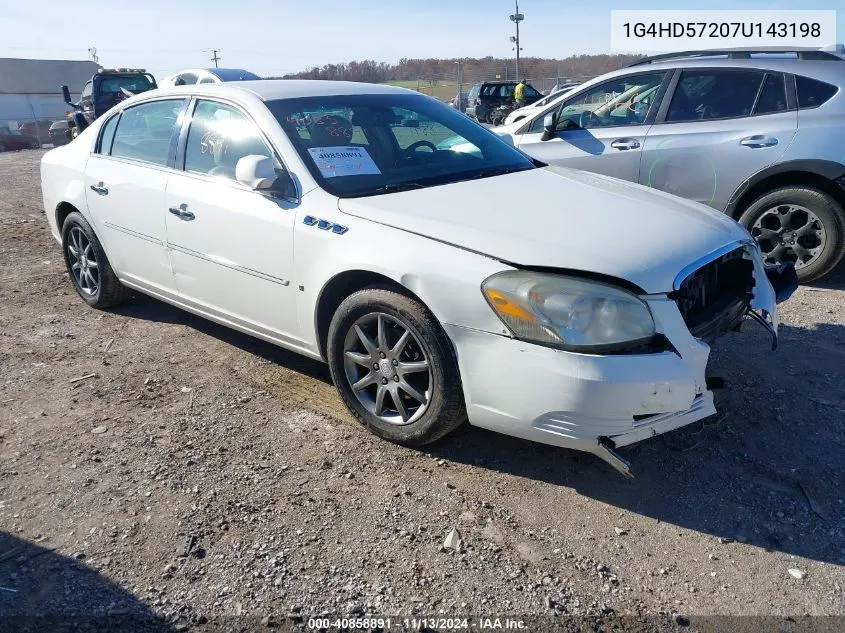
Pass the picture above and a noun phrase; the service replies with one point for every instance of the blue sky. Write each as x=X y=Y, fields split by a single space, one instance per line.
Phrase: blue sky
x=279 y=36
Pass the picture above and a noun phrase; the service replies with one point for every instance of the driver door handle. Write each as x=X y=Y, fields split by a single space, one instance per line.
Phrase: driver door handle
x=625 y=143
x=100 y=189
x=758 y=140
x=182 y=212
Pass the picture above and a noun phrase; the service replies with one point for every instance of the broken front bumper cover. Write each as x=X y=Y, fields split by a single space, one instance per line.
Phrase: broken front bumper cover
x=597 y=403
x=784 y=280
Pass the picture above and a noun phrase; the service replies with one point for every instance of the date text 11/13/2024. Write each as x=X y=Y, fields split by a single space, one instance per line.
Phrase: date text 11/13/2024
x=415 y=624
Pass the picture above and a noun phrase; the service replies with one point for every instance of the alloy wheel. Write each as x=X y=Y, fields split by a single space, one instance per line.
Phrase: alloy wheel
x=387 y=368
x=83 y=261
x=789 y=233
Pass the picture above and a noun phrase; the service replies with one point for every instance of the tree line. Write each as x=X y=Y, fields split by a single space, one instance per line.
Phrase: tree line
x=473 y=69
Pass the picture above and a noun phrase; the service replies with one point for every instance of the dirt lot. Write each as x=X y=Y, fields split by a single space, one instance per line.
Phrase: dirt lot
x=201 y=473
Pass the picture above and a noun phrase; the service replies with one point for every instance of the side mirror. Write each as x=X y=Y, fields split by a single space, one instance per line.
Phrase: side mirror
x=66 y=95
x=259 y=173
x=549 y=124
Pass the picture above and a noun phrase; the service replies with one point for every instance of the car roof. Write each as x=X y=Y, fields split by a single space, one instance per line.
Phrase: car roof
x=272 y=89
x=825 y=70
x=833 y=66
x=232 y=74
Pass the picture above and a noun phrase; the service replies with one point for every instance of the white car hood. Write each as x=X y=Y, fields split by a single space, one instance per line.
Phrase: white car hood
x=561 y=218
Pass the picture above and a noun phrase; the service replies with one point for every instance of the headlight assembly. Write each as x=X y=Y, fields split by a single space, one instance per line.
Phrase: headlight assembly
x=568 y=312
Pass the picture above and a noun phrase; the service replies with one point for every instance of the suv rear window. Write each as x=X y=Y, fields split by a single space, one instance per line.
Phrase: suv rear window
x=811 y=92
x=772 y=96
x=497 y=90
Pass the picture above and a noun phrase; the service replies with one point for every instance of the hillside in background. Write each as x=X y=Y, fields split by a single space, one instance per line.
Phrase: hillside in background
x=441 y=71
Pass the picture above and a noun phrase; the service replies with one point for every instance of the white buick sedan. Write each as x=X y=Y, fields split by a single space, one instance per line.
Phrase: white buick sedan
x=439 y=284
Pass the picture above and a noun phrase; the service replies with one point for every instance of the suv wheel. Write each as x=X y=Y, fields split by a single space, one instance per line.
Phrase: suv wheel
x=394 y=367
x=802 y=225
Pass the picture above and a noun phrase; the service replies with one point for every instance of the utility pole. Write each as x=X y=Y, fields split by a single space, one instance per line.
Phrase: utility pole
x=214 y=57
x=460 y=77
x=516 y=18
x=92 y=54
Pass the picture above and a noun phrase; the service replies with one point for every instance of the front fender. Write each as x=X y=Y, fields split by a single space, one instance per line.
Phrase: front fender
x=447 y=279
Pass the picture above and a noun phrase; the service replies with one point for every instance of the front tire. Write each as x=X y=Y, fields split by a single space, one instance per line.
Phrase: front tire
x=89 y=269
x=796 y=224
x=395 y=368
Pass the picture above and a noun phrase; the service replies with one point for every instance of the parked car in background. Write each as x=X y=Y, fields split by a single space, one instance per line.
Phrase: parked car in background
x=58 y=132
x=258 y=205
x=208 y=76
x=756 y=134
x=485 y=97
x=11 y=140
x=459 y=102
x=521 y=113
x=39 y=128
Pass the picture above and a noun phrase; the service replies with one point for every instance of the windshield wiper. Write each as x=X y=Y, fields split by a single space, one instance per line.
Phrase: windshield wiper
x=396 y=186
x=496 y=171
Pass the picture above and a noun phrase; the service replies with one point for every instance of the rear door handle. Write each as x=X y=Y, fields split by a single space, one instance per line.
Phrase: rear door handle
x=100 y=189
x=758 y=140
x=625 y=143
x=182 y=212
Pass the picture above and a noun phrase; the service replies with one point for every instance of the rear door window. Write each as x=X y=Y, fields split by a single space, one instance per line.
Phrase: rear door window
x=145 y=131
x=703 y=95
x=107 y=135
x=772 y=96
x=812 y=92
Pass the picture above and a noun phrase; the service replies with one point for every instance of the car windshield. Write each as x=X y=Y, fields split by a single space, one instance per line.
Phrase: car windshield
x=362 y=145
x=133 y=83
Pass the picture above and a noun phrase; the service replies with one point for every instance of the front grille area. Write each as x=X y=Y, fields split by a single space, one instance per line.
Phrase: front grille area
x=714 y=298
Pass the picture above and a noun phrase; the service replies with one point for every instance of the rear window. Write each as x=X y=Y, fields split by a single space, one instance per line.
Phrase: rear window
x=144 y=131
x=498 y=90
x=811 y=92
x=772 y=96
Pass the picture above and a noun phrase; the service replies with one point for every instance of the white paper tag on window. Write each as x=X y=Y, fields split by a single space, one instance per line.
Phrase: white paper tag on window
x=343 y=161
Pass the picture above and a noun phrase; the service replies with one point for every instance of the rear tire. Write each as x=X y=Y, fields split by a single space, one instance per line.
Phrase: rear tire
x=89 y=269
x=425 y=365
x=799 y=224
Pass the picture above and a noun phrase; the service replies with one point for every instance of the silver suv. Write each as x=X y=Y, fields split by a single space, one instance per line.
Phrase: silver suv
x=758 y=134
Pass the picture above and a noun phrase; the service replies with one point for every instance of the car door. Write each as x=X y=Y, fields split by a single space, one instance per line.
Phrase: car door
x=601 y=129
x=720 y=126
x=125 y=183
x=231 y=247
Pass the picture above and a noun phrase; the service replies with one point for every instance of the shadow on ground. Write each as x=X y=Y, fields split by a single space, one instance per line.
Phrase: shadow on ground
x=149 y=309
x=834 y=280
x=769 y=470
x=44 y=592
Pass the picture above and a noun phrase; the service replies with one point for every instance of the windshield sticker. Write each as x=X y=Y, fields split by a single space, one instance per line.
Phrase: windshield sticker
x=343 y=161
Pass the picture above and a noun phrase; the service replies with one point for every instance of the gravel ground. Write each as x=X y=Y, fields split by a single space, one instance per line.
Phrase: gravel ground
x=152 y=463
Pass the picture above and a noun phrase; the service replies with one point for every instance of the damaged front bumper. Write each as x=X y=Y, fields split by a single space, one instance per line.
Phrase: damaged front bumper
x=597 y=403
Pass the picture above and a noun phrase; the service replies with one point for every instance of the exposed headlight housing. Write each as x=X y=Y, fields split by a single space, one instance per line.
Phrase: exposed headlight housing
x=568 y=312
